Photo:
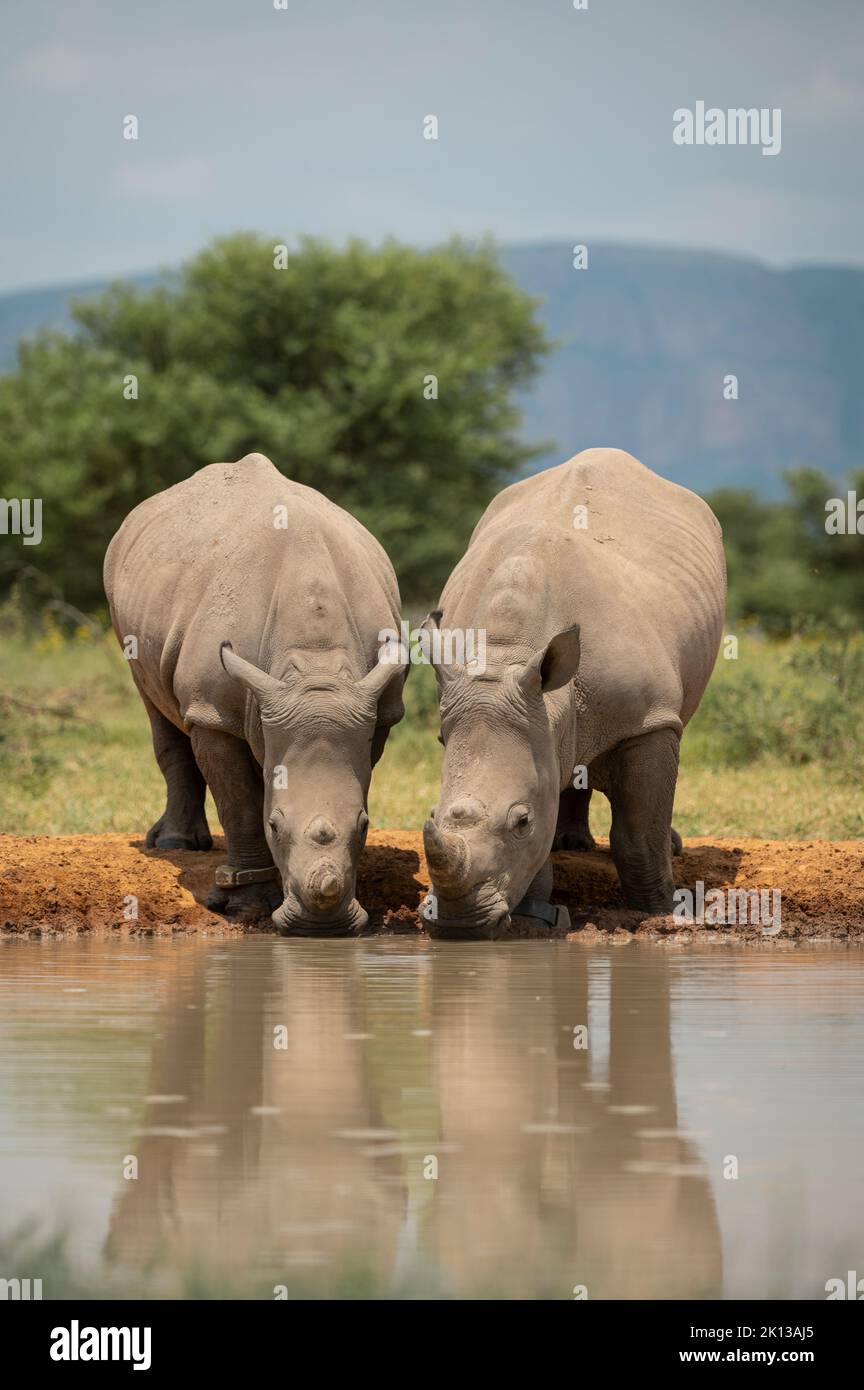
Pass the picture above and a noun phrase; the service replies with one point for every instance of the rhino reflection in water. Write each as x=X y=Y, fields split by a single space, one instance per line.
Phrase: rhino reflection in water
x=247 y=1168
x=545 y=1179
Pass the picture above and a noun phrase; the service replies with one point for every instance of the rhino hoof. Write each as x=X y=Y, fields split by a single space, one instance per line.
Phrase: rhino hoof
x=578 y=840
x=251 y=902
x=161 y=836
x=197 y=842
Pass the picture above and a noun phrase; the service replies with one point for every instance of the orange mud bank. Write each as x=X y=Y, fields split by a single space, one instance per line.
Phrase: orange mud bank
x=73 y=884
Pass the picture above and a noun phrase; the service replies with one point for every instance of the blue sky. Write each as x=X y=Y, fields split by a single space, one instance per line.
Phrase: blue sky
x=552 y=123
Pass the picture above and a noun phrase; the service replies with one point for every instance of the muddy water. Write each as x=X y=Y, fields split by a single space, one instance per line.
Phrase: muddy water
x=429 y=1125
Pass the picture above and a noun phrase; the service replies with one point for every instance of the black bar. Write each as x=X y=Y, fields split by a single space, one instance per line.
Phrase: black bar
x=280 y=1337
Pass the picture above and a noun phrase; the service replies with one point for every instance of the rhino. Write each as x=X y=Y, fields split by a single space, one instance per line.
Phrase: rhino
x=599 y=588
x=250 y=607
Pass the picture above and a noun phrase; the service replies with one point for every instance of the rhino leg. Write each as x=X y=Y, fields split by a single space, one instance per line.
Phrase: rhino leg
x=183 y=824
x=572 y=830
x=641 y=775
x=236 y=781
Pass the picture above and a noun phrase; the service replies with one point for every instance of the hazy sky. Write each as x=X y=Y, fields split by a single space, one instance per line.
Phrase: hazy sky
x=552 y=123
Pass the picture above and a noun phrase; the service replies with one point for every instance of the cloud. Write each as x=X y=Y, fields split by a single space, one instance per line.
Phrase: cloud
x=53 y=67
x=827 y=97
x=165 y=180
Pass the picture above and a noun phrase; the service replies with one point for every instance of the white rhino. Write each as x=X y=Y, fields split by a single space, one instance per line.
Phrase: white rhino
x=600 y=590
x=255 y=605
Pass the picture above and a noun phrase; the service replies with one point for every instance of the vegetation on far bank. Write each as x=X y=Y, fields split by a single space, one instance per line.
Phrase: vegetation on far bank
x=774 y=751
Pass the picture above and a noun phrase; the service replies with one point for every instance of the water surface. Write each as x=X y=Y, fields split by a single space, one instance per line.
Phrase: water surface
x=432 y=1124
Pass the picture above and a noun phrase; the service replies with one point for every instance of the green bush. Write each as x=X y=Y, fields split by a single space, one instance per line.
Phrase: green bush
x=785 y=570
x=799 y=701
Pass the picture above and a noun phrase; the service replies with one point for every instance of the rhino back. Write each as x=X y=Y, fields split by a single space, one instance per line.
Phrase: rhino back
x=644 y=577
x=204 y=562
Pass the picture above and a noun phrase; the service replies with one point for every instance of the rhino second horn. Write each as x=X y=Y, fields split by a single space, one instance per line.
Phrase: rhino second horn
x=446 y=855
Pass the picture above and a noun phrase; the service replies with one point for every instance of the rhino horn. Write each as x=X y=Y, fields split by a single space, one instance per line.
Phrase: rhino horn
x=447 y=856
x=324 y=886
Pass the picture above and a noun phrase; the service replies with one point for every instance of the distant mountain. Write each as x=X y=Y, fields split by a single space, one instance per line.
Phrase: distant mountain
x=648 y=335
x=25 y=311
x=645 y=339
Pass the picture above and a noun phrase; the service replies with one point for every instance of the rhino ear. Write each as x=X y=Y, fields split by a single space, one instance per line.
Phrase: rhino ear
x=554 y=665
x=263 y=687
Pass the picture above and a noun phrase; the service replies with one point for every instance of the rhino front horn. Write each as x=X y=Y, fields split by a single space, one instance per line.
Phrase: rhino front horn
x=446 y=855
x=324 y=886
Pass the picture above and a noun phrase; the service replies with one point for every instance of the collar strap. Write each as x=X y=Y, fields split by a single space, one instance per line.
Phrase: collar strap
x=556 y=916
x=226 y=877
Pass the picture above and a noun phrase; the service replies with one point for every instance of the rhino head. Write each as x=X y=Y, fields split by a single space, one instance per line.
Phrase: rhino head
x=323 y=730
x=493 y=828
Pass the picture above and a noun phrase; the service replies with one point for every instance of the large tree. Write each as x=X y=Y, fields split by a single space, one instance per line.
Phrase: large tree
x=320 y=358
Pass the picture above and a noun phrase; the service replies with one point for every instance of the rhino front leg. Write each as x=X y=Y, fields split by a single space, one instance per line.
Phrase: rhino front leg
x=236 y=781
x=641 y=787
x=572 y=830
x=183 y=824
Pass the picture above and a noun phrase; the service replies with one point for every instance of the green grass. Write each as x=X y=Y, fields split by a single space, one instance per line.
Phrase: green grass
x=49 y=1256
x=775 y=750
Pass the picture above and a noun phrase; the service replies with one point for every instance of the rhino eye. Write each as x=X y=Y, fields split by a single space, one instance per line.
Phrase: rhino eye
x=520 y=820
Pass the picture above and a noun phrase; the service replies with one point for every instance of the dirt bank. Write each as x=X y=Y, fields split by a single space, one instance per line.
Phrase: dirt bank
x=69 y=884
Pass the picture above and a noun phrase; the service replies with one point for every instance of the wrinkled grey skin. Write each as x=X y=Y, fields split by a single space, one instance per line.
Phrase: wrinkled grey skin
x=599 y=644
x=258 y=648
